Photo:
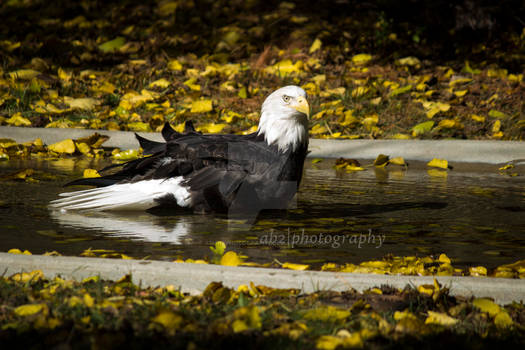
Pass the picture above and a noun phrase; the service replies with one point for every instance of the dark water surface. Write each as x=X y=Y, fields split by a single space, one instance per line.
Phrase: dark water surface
x=474 y=214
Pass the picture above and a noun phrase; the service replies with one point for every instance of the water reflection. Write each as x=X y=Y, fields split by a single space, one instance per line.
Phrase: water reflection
x=143 y=227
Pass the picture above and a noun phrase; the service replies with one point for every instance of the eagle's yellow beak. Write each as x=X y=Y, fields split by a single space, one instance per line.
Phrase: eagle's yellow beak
x=301 y=105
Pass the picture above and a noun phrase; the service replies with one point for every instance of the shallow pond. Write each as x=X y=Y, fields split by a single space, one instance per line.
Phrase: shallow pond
x=472 y=213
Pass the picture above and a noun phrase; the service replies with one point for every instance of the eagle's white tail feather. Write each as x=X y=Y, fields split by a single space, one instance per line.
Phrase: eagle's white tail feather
x=138 y=195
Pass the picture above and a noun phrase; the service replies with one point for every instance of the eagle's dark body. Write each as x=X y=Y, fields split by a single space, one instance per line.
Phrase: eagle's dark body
x=224 y=173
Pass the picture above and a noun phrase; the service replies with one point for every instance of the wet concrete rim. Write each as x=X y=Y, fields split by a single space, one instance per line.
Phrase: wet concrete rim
x=193 y=278
x=460 y=151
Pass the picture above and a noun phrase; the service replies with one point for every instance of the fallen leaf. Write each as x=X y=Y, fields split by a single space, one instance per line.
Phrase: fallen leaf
x=361 y=59
x=438 y=163
x=65 y=146
x=440 y=318
x=316 y=45
x=292 y=266
x=230 y=259
x=487 y=305
x=112 y=45
x=201 y=106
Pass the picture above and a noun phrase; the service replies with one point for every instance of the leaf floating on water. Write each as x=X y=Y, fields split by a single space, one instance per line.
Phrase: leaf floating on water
x=65 y=146
x=381 y=160
x=438 y=163
x=292 y=266
x=129 y=154
x=89 y=173
x=397 y=161
x=219 y=248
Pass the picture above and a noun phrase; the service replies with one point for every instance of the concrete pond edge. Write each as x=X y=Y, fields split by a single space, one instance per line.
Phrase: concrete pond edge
x=193 y=278
x=463 y=151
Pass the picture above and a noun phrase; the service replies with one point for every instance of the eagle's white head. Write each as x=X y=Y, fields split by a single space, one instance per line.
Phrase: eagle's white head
x=284 y=118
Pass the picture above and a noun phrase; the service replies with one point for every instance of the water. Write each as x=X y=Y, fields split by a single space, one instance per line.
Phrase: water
x=475 y=215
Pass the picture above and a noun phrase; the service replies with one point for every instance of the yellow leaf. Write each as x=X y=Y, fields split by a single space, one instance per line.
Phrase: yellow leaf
x=402 y=136
x=18 y=120
x=496 y=127
x=409 y=61
x=285 y=68
x=440 y=318
x=129 y=154
x=250 y=130
x=401 y=90
x=507 y=166
x=65 y=146
x=318 y=129
x=444 y=259
x=292 y=266
x=359 y=91
x=88 y=300
x=503 y=320
x=139 y=126
x=422 y=128
x=316 y=45
x=168 y=319
x=167 y=8
x=161 y=83
x=89 y=173
x=201 y=106
x=328 y=342
x=487 y=305
x=426 y=289
x=63 y=75
x=174 y=65
x=239 y=326
x=18 y=251
x=477 y=118
x=397 y=161
x=351 y=167
x=86 y=103
x=450 y=124
x=381 y=160
x=438 y=163
x=24 y=74
x=230 y=259
x=326 y=314
x=460 y=93
x=361 y=59
x=212 y=128
x=370 y=121
x=112 y=45
x=31 y=309
x=478 y=271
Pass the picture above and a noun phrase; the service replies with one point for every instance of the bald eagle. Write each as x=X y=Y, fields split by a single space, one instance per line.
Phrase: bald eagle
x=210 y=173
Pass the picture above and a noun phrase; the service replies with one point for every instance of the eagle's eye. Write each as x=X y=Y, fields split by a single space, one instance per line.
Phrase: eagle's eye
x=286 y=98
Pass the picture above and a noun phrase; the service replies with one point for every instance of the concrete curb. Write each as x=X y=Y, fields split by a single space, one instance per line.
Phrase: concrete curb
x=193 y=278
x=469 y=151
